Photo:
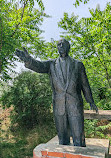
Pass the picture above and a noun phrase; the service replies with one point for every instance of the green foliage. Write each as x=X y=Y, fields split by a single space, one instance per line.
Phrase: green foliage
x=23 y=142
x=51 y=50
x=90 y=128
x=19 y=26
x=13 y=150
x=91 y=43
x=30 y=96
x=97 y=129
x=77 y=3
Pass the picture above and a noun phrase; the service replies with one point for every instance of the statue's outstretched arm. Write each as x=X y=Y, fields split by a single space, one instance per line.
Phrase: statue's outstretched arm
x=31 y=63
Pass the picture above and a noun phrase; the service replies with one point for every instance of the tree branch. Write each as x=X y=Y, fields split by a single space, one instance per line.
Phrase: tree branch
x=25 y=3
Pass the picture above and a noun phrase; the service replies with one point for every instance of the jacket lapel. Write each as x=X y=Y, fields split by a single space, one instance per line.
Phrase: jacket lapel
x=70 y=70
x=59 y=72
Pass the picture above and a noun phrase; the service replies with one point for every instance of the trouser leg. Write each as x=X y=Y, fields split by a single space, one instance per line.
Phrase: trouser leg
x=62 y=127
x=77 y=130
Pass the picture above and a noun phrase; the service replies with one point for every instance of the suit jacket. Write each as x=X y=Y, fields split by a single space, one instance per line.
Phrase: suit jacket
x=66 y=96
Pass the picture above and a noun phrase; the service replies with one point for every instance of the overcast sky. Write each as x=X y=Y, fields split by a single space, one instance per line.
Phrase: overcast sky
x=56 y=9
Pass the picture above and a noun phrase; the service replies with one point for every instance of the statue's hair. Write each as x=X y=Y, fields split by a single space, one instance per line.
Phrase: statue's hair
x=67 y=42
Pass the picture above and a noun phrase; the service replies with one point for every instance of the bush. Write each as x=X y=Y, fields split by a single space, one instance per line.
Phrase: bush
x=30 y=96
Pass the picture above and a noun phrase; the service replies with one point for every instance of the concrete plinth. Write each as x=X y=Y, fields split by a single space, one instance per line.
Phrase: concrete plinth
x=95 y=148
x=103 y=114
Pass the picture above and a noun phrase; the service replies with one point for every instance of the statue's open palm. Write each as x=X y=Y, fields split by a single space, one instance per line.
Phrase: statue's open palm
x=23 y=55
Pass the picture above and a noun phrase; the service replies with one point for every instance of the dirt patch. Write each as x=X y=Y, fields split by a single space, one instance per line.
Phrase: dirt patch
x=5 y=124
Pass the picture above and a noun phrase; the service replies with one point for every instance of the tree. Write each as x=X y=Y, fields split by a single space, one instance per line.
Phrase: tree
x=20 y=26
x=91 y=42
x=30 y=96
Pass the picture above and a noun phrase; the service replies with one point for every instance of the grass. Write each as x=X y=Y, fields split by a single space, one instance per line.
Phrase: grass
x=24 y=142
x=18 y=142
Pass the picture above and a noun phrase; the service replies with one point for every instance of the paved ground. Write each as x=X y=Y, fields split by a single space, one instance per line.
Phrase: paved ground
x=110 y=152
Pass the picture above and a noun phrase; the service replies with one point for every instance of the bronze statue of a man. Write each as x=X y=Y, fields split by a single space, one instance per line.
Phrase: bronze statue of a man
x=68 y=79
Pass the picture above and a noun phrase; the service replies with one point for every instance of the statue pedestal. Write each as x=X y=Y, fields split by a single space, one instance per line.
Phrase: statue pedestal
x=95 y=148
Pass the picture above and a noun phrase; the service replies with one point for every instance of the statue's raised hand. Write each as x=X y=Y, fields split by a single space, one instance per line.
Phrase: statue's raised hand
x=23 y=55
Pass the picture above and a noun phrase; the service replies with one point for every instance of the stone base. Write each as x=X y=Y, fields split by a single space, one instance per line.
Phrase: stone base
x=103 y=114
x=95 y=148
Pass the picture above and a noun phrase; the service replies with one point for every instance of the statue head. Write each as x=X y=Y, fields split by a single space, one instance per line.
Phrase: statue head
x=63 y=47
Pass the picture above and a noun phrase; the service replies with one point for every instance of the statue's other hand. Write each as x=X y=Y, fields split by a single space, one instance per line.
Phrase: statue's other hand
x=94 y=107
x=23 y=55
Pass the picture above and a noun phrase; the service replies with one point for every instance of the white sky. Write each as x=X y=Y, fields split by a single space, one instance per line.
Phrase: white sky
x=56 y=9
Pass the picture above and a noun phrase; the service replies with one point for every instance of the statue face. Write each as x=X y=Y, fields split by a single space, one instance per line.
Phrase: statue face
x=63 y=48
